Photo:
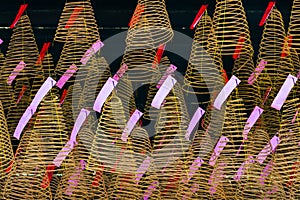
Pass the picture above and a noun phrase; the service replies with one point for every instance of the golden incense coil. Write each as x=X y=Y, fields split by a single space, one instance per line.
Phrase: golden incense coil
x=152 y=17
x=230 y=25
x=22 y=47
x=68 y=110
x=7 y=157
x=294 y=25
x=77 y=15
x=5 y=89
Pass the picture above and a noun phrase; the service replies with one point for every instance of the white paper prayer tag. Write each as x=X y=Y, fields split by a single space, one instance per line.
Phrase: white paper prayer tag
x=135 y=117
x=226 y=91
x=163 y=91
x=284 y=92
x=196 y=117
x=269 y=148
x=218 y=149
x=256 y=113
x=106 y=90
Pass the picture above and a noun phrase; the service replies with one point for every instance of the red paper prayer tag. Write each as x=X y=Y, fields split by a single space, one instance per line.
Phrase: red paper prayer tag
x=8 y=169
x=267 y=13
x=225 y=76
x=159 y=53
x=198 y=16
x=286 y=45
x=48 y=176
x=63 y=96
x=18 y=16
x=73 y=16
x=136 y=15
x=266 y=95
x=239 y=47
x=98 y=176
x=43 y=52
x=21 y=93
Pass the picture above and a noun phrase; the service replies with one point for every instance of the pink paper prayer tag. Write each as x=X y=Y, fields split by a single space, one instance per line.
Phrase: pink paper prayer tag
x=218 y=149
x=194 y=167
x=16 y=71
x=256 y=113
x=67 y=75
x=91 y=51
x=63 y=153
x=142 y=169
x=120 y=73
x=216 y=177
x=265 y=173
x=168 y=72
x=262 y=64
x=244 y=167
x=150 y=190
x=74 y=179
x=269 y=148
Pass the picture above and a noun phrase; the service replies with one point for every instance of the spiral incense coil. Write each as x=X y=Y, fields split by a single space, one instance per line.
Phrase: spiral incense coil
x=230 y=24
x=295 y=60
x=48 y=65
x=77 y=15
x=125 y=93
x=71 y=54
x=89 y=183
x=54 y=184
x=201 y=75
x=277 y=68
x=149 y=112
x=107 y=143
x=75 y=99
x=17 y=109
x=22 y=47
x=243 y=68
x=287 y=152
x=27 y=175
x=50 y=127
x=68 y=110
x=140 y=144
x=151 y=17
x=5 y=89
x=235 y=121
x=294 y=25
x=6 y=148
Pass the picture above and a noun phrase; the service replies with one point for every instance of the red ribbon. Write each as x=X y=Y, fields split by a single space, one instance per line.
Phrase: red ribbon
x=136 y=15
x=198 y=16
x=18 y=16
x=43 y=52
x=48 y=176
x=239 y=47
x=267 y=13
x=73 y=16
x=63 y=96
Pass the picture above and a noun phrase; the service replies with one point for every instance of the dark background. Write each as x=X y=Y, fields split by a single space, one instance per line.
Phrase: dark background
x=113 y=17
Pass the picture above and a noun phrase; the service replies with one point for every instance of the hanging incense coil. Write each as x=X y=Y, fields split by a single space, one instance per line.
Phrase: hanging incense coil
x=75 y=100
x=68 y=110
x=287 y=152
x=79 y=16
x=293 y=25
x=126 y=94
x=89 y=183
x=151 y=16
x=71 y=54
x=20 y=102
x=107 y=139
x=22 y=47
x=202 y=73
x=7 y=156
x=230 y=25
x=48 y=66
x=5 y=89
x=277 y=68
x=243 y=68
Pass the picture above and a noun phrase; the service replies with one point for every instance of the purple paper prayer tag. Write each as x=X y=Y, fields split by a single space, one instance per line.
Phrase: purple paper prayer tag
x=218 y=149
x=15 y=73
x=63 y=153
x=265 y=173
x=106 y=90
x=256 y=113
x=226 y=91
x=150 y=190
x=143 y=168
x=135 y=117
x=244 y=167
x=163 y=91
x=67 y=75
x=284 y=92
x=91 y=51
x=196 y=117
x=269 y=148
x=168 y=72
